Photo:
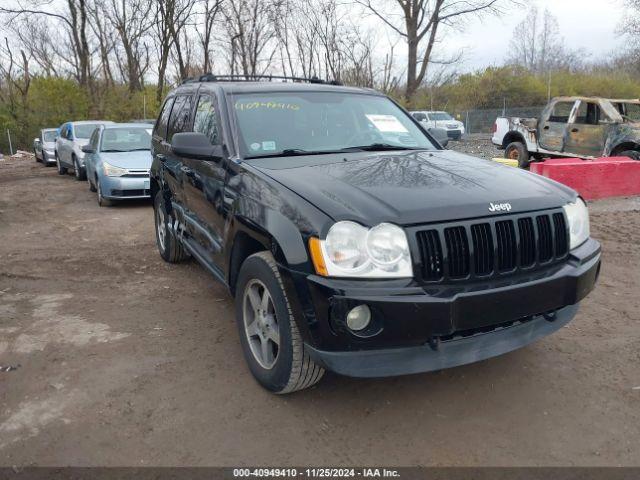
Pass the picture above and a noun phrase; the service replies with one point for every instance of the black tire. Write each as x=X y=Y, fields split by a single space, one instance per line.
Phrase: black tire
x=61 y=170
x=293 y=369
x=632 y=154
x=92 y=187
x=170 y=247
x=518 y=151
x=35 y=154
x=78 y=171
x=103 y=202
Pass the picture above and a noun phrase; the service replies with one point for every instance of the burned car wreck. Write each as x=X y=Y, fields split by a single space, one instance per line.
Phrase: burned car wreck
x=584 y=127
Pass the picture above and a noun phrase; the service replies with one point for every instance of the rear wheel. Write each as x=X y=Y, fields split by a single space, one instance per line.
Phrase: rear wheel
x=170 y=247
x=518 y=151
x=270 y=339
x=632 y=154
x=61 y=170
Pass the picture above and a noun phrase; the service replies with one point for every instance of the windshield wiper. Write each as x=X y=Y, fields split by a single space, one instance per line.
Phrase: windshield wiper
x=380 y=147
x=113 y=151
x=294 y=152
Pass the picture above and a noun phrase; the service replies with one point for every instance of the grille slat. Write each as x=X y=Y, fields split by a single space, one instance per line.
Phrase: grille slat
x=482 y=248
x=458 y=249
x=527 y=243
x=506 y=246
x=562 y=235
x=496 y=247
x=431 y=253
x=545 y=238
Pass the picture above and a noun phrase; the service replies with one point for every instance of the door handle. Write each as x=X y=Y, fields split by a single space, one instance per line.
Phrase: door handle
x=546 y=127
x=575 y=130
x=187 y=171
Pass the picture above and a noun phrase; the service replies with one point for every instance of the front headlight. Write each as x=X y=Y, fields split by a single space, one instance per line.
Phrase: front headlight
x=113 y=171
x=579 y=227
x=353 y=251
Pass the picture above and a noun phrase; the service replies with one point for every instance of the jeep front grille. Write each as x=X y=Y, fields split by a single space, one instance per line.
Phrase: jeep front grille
x=492 y=247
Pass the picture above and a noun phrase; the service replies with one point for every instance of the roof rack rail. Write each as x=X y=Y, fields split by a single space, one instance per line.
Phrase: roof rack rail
x=209 y=77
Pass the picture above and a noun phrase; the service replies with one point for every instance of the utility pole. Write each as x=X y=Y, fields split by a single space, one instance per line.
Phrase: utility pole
x=10 y=146
x=144 y=106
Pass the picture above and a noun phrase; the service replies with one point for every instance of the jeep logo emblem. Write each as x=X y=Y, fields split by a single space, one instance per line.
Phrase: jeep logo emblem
x=499 y=207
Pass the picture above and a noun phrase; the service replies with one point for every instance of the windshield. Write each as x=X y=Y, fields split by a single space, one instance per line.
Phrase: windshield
x=271 y=124
x=126 y=139
x=85 y=130
x=49 y=136
x=440 y=116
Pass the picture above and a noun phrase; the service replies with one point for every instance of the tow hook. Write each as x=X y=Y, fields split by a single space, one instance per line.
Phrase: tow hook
x=434 y=343
x=551 y=316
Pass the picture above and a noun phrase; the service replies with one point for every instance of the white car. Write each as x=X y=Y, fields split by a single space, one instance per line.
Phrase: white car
x=73 y=136
x=455 y=128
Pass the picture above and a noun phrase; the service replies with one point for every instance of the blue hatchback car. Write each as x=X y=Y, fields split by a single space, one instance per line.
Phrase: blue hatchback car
x=117 y=161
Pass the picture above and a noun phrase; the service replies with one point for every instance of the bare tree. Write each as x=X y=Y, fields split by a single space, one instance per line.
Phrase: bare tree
x=131 y=21
x=170 y=18
x=74 y=20
x=538 y=46
x=250 y=35
x=422 y=21
x=211 y=10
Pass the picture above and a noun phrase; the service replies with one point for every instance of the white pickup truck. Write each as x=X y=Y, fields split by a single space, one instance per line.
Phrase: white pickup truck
x=583 y=127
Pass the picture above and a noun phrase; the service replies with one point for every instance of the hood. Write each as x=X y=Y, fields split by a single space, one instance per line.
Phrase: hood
x=412 y=188
x=132 y=160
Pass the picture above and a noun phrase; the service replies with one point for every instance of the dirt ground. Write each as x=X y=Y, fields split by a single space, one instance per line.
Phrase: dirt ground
x=126 y=360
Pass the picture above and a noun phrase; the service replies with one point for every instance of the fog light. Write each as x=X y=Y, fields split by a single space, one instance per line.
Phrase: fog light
x=358 y=319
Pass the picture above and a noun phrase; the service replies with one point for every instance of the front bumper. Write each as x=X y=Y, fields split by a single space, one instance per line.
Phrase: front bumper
x=123 y=188
x=48 y=157
x=417 y=328
x=442 y=354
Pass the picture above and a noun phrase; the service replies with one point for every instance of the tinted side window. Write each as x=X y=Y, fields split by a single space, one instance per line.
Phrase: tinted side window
x=180 y=114
x=161 y=125
x=421 y=117
x=206 y=121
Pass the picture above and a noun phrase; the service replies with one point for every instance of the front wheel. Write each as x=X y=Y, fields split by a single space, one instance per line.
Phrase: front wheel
x=103 y=202
x=61 y=170
x=518 y=151
x=170 y=247
x=80 y=174
x=270 y=339
x=92 y=187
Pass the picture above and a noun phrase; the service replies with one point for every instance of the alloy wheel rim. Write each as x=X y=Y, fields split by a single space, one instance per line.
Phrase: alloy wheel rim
x=161 y=227
x=260 y=324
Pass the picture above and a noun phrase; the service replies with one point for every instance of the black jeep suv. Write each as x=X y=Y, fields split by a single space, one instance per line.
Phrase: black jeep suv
x=351 y=240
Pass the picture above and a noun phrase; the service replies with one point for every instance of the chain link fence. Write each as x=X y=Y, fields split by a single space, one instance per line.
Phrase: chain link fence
x=481 y=121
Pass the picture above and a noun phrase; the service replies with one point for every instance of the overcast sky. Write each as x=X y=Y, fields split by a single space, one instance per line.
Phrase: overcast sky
x=588 y=24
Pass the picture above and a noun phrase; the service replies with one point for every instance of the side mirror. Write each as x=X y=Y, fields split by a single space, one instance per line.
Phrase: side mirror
x=195 y=145
x=36 y=140
x=87 y=149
